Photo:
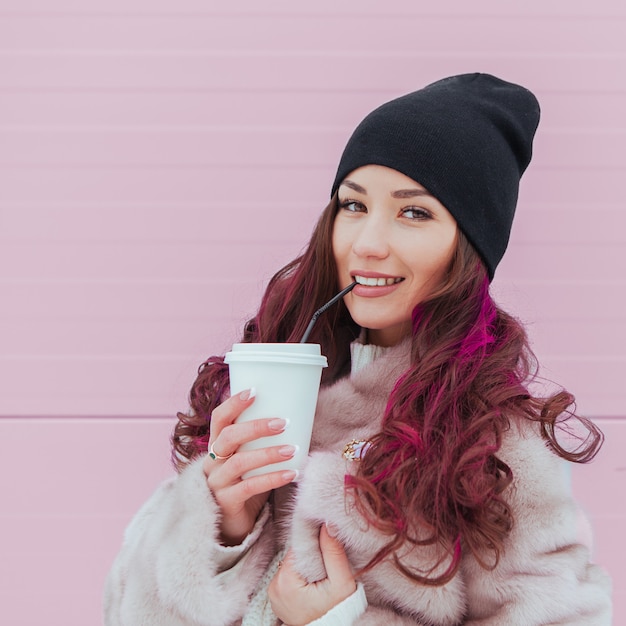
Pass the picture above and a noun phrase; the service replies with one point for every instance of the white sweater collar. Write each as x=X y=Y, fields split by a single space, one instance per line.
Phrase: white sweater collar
x=363 y=353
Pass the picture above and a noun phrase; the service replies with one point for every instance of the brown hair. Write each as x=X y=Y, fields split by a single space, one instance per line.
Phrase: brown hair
x=433 y=468
x=432 y=476
x=292 y=296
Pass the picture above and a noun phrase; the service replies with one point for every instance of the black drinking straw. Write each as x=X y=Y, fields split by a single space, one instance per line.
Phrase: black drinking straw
x=319 y=311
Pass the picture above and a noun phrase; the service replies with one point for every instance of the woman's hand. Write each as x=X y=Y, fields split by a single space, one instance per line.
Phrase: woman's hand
x=295 y=602
x=241 y=500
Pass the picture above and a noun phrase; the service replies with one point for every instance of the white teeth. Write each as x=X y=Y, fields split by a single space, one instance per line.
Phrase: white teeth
x=376 y=282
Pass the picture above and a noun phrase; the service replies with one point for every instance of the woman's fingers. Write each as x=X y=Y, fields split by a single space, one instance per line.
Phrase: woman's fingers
x=228 y=441
x=241 y=502
x=232 y=436
x=241 y=499
x=243 y=490
x=230 y=471
x=226 y=436
x=244 y=462
x=227 y=412
x=338 y=568
x=295 y=601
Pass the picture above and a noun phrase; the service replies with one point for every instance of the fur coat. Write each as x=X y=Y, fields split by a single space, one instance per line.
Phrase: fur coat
x=171 y=570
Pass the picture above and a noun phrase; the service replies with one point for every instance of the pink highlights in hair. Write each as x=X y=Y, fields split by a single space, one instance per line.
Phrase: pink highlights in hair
x=432 y=467
x=431 y=476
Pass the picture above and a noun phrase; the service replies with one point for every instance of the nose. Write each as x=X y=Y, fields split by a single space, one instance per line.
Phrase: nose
x=372 y=238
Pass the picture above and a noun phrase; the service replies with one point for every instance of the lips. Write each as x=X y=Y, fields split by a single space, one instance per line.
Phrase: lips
x=376 y=280
x=373 y=284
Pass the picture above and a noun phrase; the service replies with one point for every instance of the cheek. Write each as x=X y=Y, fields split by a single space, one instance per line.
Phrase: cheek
x=441 y=268
x=339 y=247
x=435 y=260
x=448 y=255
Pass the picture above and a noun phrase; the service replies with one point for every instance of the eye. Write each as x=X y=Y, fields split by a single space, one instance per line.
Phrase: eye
x=352 y=206
x=416 y=213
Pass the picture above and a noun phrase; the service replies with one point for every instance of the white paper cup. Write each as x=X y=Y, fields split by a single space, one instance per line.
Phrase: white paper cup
x=286 y=377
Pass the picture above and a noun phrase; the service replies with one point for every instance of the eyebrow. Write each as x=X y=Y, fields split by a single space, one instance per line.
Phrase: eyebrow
x=410 y=193
x=353 y=186
x=400 y=193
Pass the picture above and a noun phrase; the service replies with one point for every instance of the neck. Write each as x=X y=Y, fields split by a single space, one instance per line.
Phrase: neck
x=387 y=337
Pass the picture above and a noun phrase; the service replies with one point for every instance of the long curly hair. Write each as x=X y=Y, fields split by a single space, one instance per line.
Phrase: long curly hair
x=431 y=475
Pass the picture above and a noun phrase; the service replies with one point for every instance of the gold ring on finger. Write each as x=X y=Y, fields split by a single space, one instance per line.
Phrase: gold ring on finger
x=215 y=456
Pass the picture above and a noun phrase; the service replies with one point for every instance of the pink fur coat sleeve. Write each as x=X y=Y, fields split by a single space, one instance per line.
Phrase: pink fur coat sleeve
x=167 y=572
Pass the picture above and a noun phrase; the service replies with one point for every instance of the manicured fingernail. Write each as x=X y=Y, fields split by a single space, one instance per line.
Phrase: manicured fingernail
x=247 y=394
x=291 y=475
x=333 y=531
x=277 y=424
x=287 y=451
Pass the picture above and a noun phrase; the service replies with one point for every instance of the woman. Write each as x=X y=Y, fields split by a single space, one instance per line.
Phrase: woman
x=434 y=492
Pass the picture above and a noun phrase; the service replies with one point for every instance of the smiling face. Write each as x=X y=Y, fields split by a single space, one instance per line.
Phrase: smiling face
x=397 y=241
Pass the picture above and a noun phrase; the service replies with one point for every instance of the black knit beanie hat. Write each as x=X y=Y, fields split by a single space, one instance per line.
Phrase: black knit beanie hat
x=467 y=139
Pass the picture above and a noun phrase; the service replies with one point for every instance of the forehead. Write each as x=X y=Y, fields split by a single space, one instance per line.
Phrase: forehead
x=371 y=177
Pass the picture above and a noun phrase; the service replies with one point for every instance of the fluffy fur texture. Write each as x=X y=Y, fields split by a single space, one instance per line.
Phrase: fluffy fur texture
x=352 y=409
x=171 y=570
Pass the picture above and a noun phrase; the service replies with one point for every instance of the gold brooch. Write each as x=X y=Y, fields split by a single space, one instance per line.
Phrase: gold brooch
x=355 y=449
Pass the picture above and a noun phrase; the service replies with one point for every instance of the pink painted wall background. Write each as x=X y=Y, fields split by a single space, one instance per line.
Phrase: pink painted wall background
x=160 y=160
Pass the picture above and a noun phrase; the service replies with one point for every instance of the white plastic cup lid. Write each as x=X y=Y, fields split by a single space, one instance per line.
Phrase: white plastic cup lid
x=291 y=353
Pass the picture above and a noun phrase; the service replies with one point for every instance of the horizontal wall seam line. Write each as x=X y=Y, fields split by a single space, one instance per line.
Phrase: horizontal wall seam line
x=147 y=282
x=99 y=418
x=539 y=206
x=588 y=358
x=600 y=282
x=290 y=53
x=257 y=166
x=273 y=14
x=167 y=90
x=261 y=128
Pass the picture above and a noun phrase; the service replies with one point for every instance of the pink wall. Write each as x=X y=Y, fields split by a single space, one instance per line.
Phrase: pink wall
x=161 y=159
